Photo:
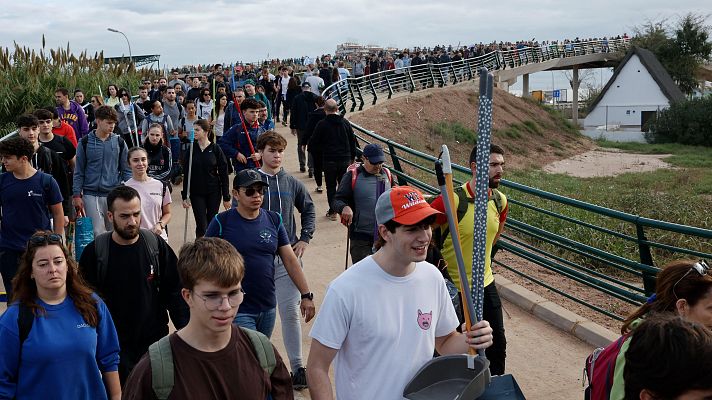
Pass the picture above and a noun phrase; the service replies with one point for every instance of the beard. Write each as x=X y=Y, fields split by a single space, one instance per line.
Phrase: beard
x=493 y=184
x=128 y=233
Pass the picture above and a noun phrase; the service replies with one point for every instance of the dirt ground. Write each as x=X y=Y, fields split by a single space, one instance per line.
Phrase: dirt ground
x=607 y=162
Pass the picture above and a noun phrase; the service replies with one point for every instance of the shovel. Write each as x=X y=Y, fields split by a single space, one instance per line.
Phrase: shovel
x=460 y=376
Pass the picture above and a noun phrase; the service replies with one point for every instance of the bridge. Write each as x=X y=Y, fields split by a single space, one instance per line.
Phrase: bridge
x=506 y=66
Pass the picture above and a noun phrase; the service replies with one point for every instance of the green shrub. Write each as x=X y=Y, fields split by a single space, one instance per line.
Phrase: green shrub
x=30 y=78
x=685 y=122
x=453 y=131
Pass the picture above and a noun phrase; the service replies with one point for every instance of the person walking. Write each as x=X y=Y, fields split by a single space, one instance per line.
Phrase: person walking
x=208 y=181
x=155 y=196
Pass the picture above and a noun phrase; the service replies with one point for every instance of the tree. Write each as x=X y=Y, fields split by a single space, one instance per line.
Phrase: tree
x=681 y=49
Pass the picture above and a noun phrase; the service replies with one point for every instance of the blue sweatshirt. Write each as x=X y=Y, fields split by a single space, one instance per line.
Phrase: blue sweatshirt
x=100 y=169
x=62 y=358
x=235 y=140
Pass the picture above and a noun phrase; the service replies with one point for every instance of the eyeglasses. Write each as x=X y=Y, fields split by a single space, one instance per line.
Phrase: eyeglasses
x=250 y=191
x=124 y=94
x=52 y=238
x=701 y=267
x=214 y=301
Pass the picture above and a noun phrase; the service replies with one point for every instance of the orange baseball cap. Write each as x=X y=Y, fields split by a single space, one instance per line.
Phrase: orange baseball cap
x=404 y=205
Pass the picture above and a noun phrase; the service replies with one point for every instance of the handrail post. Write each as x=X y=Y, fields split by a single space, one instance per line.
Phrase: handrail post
x=410 y=77
x=396 y=163
x=373 y=90
x=432 y=75
x=442 y=77
x=645 y=258
x=360 y=95
x=388 y=84
x=454 y=72
x=353 y=98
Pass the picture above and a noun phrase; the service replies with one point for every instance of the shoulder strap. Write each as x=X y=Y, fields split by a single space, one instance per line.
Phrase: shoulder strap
x=462 y=203
x=101 y=248
x=221 y=222
x=263 y=350
x=162 y=371
x=275 y=215
x=389 y=175
x=46 y=182
x=122 y=144
x=25 y=319
x=498 y=201
x=150 y=241
x=84 y=142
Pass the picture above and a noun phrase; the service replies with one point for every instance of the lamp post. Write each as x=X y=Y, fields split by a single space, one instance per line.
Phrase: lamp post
x=127 y=41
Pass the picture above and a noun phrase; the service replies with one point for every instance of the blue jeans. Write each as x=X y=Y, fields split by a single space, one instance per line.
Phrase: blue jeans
x=262 y=322
x=175 y=148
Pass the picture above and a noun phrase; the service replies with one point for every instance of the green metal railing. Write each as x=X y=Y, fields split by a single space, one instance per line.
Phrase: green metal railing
x=628 y=278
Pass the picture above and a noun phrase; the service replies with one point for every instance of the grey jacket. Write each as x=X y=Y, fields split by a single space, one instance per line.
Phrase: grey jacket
x=100 y=169
x=285 y=193
x=362 y=200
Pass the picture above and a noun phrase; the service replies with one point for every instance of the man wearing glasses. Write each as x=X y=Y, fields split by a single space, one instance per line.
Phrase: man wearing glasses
x=206 y=351
x=259 y=235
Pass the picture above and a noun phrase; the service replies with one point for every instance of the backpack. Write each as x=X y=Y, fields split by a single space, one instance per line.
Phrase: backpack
x=462 y=205
x=353 y=168
x=599 y=370
x=164 y=123
x=101 y=247
x=179 y=123
x=271 y=214
x=163 y=372
x=85 y=141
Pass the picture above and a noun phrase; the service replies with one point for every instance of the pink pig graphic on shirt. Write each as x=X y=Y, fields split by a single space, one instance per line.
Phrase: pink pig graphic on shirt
x=424 y=320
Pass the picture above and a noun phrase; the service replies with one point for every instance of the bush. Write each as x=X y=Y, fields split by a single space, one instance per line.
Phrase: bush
x=453 y=131
x=30 y=78
x=685 y=122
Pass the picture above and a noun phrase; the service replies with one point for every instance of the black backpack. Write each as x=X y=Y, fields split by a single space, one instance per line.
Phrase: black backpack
x=101 y=248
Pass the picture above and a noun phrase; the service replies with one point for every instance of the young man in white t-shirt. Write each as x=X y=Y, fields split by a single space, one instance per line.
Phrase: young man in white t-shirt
x=386 y=315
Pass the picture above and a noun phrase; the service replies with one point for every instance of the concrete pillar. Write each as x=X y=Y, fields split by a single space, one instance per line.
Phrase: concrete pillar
x=574 y=99
x=525 y=85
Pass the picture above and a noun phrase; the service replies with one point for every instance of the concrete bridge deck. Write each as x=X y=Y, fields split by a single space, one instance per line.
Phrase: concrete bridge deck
x=546 y=361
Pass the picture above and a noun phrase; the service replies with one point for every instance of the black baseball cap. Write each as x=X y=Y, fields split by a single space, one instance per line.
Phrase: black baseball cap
x=247 y=177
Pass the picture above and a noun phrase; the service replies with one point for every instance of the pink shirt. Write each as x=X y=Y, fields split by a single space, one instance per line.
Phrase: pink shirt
x=152 y=201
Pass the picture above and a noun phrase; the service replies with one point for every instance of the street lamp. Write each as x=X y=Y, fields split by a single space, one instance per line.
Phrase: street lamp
x=127 y=40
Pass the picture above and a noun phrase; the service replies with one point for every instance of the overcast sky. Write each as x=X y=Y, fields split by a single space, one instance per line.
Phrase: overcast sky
x=196 y=31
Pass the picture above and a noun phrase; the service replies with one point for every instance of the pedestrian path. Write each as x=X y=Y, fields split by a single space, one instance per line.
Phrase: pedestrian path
x=546 y=361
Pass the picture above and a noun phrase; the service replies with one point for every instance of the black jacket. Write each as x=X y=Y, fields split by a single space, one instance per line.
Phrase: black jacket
x=159 y=161
x=302 y=105
x=209 y=171
x=313 y=119
x=333 y=139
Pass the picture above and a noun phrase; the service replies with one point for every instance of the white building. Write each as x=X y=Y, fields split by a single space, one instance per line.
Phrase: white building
x=638 y=89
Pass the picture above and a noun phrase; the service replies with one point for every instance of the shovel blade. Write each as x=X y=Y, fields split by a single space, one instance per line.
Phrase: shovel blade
x=503 y=387
x=448 y=378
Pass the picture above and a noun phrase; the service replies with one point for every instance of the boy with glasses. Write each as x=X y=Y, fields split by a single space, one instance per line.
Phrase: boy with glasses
x=259 y=235
x=207 y=350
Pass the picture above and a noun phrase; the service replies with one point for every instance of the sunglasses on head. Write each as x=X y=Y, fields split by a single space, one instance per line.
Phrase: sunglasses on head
x=52 y=238
x=701 y=267
x=250 y=191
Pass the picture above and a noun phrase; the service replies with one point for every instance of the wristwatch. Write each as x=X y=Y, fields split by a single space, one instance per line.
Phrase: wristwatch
x=308 y=296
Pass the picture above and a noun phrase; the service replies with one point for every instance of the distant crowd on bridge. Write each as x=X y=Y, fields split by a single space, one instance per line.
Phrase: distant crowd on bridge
x=107 y=166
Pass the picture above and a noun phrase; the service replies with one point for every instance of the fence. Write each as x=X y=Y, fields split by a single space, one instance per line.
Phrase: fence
x=370 y=88
x=628 y=277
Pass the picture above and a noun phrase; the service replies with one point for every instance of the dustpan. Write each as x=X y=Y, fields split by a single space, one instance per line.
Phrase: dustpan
x=465 y=377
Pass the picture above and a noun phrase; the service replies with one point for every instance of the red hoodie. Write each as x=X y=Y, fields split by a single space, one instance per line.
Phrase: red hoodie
x=67 y=131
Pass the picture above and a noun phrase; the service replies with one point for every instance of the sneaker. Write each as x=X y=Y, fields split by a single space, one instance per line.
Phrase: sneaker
x=311 y=173
x=302 y=169
x=284 y=123
x=177 y=180
x=331 y=215
x=319 y=189
x=299 y=379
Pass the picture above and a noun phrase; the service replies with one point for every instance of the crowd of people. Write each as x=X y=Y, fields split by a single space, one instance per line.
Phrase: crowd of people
x=106 y=314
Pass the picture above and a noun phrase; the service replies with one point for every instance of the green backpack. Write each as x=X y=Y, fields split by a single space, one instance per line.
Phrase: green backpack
x=161 y=356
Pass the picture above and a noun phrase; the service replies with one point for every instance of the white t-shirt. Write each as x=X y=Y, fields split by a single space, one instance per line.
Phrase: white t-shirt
x=151 y=201
x=383 y=326
x=317 y=84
